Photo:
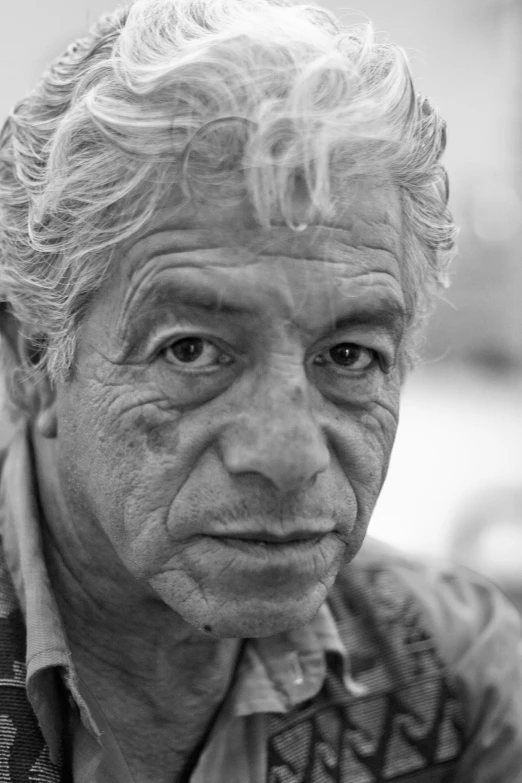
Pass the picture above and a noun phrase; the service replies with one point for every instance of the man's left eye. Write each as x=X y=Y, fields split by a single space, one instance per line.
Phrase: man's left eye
x=347 y=356
x=194 y=353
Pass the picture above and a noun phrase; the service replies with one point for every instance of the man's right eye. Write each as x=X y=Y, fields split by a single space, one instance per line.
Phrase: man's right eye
x=194 y=353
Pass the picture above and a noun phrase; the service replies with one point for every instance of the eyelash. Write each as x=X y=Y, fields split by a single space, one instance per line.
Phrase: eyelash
x=224 y=359
x=325 y=358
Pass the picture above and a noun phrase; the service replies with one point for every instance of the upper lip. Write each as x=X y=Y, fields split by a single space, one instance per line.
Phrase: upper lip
x=276 y=538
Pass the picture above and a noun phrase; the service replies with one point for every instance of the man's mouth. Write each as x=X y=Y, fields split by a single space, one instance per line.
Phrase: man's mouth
x=264 y=543
x=268 y=537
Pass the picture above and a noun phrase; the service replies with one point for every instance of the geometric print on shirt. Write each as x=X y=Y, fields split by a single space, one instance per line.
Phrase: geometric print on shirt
x=403 y=725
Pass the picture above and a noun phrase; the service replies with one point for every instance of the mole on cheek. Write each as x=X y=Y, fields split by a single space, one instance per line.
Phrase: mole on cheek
x=159 y=436
x=156 y=438
x=296 y=395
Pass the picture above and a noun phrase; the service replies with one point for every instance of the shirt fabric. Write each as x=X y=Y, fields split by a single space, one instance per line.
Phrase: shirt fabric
x=478 y=631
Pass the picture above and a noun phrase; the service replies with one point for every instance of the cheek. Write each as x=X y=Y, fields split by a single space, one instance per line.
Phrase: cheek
x=148 y=453
x=363 y=433
x=362 y=440
x=119 y=448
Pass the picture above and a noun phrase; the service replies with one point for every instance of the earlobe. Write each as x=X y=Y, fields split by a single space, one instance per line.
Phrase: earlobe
x=38 y=397
x=41 y=396
x=47 y=422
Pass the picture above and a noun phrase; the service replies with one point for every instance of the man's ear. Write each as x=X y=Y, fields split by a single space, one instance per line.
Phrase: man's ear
x=28 y=384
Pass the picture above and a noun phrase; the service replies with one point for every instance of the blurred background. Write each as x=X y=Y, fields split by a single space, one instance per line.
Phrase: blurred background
x=455 y=482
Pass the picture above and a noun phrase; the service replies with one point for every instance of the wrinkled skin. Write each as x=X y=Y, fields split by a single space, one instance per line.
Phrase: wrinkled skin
x=263 y=434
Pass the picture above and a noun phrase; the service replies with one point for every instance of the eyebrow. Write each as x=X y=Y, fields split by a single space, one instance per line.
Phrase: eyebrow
x=387 y=314
x=390 y=315
x=181 y=293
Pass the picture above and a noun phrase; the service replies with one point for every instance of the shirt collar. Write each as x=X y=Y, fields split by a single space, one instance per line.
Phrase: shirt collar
x=46 y=644
x=278 y=672
x=274 y=673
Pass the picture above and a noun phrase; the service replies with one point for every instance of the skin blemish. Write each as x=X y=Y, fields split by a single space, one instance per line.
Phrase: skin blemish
x=296 y=395
x=155 y=438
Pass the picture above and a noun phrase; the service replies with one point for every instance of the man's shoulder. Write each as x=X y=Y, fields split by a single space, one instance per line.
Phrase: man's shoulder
x=433 y=682
x=454 y=606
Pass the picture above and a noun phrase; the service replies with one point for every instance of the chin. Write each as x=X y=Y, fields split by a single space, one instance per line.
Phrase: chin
x=261 y=621
x=247 y=617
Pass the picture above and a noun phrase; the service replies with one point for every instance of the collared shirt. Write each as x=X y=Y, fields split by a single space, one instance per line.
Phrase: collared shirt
x=274 y=674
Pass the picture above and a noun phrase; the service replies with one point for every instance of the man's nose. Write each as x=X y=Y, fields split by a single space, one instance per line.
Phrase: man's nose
x=277 y=437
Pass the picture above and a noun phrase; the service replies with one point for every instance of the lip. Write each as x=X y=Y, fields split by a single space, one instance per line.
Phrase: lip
x=276 y=549
x=294 y=556
x=267 y=537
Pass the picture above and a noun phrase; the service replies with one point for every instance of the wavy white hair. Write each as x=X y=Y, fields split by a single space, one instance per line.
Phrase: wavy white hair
x=222 y=98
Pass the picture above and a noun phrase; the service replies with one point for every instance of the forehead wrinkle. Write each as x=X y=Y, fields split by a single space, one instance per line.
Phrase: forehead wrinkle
x=381 y=258
x=160 y=242
x=378 y=235
x=335 y=249
x=343 y=257
x=320 y=239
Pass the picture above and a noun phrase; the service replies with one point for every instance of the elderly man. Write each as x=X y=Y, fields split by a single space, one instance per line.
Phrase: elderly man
x=222 y=222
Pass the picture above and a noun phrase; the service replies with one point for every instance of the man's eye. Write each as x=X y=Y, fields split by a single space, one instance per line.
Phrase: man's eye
x=194 y=352
x=348 y=355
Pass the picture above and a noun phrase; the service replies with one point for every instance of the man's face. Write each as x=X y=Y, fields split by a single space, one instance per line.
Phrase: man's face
x=234 y=406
